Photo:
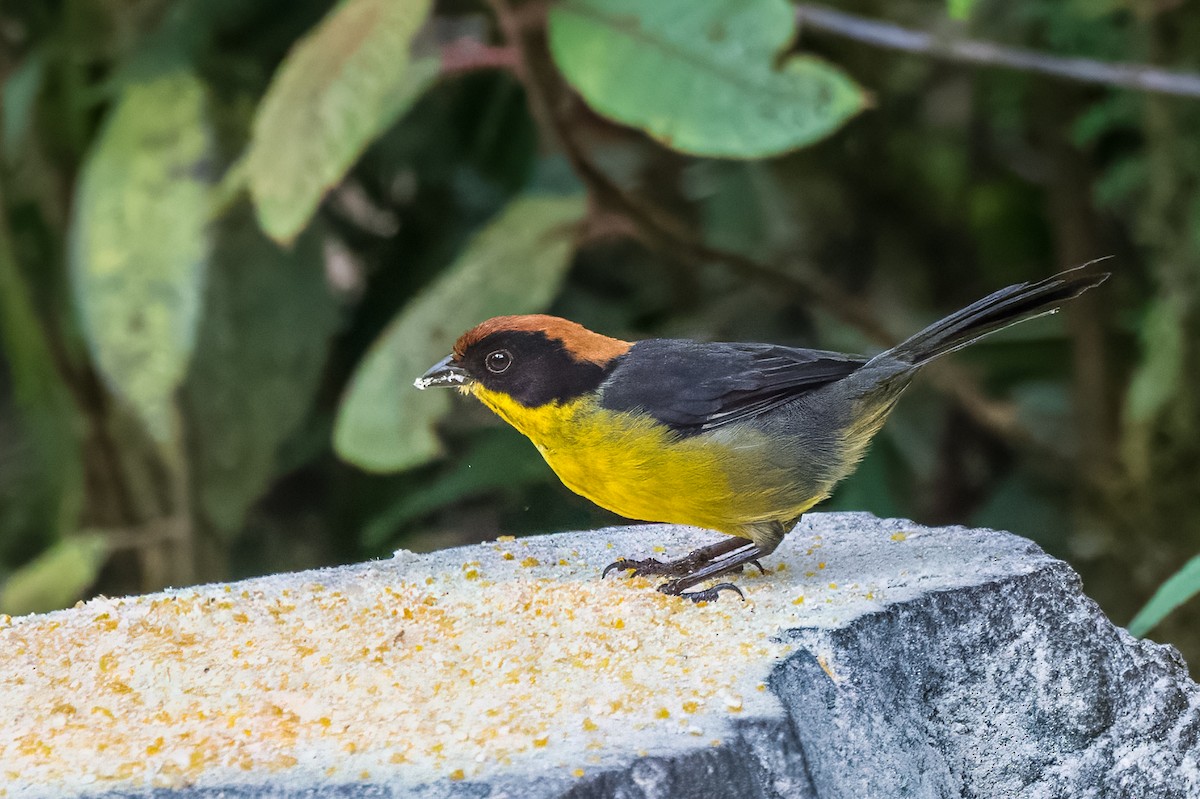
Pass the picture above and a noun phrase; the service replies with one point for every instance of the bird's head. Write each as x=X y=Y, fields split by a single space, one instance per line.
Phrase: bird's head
x=534 y=359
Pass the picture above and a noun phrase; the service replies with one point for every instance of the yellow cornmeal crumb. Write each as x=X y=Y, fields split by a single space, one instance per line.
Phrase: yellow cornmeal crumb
x=458 y=774
x=899 y=536
x=530 y=562
x=389 y=669
x=577 y=772
x=504 y=539
x=798 y=600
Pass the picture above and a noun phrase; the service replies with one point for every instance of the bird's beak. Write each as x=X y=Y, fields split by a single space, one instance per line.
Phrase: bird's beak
x=443 y=373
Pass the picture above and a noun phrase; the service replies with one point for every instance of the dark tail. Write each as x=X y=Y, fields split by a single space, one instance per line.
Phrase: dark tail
x=995 y=312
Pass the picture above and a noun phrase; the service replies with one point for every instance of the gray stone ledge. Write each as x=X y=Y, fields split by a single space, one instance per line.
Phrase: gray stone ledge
x=877 y=659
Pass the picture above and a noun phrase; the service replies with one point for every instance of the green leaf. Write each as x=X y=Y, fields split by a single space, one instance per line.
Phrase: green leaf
x=960 y=9
x=1157 y=380
x=256 y=367
x=338 y=89
x=515 y=265
x=56 y=578
x=20 y=94
x=139 y=245
x=1179 y=588
x=701 y=77
x=1123 y=184
x=41 y=483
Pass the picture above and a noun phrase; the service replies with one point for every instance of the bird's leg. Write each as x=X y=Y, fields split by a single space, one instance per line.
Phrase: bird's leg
x=677 y=568
x=747 y=552
x=763 y=539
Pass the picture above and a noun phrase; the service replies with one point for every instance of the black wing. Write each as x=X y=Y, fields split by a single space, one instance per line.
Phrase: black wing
x=694 y=387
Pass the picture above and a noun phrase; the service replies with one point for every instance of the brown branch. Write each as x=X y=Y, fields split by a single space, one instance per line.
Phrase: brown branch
x=988 y=54
x=468 y=54
x=513 y=26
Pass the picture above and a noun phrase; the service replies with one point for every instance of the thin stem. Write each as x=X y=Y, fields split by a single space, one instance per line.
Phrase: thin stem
x=467 y=55
x=988 y=54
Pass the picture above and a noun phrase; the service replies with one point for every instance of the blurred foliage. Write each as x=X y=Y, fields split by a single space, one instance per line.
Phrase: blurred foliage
x=233 y=231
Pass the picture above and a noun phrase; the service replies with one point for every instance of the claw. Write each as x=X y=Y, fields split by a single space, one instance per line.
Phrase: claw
x=617 y=565
x=704 y=595
x=742 y=568
x=641 y=568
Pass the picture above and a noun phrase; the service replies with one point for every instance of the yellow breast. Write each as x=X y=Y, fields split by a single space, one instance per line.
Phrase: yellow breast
x=632 y=465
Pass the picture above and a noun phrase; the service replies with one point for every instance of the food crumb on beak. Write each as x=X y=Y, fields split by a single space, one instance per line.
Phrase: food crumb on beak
x=443 y=373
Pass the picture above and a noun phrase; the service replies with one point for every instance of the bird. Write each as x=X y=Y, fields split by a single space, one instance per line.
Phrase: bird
x=737 y=438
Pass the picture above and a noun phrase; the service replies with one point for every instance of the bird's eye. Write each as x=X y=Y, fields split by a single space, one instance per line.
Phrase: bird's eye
x=498 y=361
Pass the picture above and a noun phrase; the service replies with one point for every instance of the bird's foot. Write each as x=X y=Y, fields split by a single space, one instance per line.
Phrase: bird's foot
x=697 y=566
x=671 y=568
x=638 y=568
x=673 y=588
